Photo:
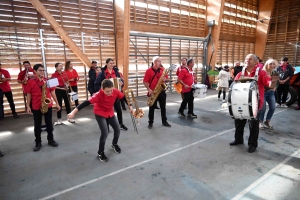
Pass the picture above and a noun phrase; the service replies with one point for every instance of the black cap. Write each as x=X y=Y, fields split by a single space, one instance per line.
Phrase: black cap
x=94 y=61
x=285 y=59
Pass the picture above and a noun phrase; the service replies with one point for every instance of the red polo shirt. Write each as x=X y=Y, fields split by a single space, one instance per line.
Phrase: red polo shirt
x=21 y=77
x=188 y=78
x=263 y=80
x=72 y=74
x=34 y=87
x=62 y=78
x=110 y=75
x=4 y=86
x=103 y=104
x=179 y=69
x=150 y=74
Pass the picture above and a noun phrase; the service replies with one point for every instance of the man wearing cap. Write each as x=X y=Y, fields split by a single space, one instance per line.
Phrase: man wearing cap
x=5 y=87
x=92 y=78
x=151 y=78
x=286 y=72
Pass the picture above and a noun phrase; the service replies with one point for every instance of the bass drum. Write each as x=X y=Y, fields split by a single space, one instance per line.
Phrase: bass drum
x=243 y=100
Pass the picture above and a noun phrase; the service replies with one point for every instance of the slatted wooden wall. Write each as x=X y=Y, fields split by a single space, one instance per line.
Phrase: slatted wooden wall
x=284 y=32
x=143 y=49
x=20 y=40
x=186 y=17
x=238 y=24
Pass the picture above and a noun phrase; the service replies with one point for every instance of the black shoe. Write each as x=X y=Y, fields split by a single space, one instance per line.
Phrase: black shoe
x=52 y=143
x=150 y=125
x=192 y=115
x=181 y=114
x=123 y=127
x=15 y=115
x=124 y=108
x=235 y=143
x=251 y=149
x=37 y=147
x=102 y=157
x=1 y=154
x=116 y=148
x=166 y=124
x=157 y=107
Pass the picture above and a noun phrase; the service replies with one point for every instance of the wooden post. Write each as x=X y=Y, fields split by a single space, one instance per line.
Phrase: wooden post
x=214 y=12
x=60 y=31
x=123 y=34
x=265 y=9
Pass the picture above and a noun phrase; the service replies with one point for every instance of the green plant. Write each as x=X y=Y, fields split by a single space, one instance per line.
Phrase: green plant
x=212 y=73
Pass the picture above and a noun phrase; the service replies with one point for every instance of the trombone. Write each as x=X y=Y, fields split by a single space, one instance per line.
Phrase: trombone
x=137 y=113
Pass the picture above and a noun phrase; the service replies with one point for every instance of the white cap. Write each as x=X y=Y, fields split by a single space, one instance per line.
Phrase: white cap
x=155 y=58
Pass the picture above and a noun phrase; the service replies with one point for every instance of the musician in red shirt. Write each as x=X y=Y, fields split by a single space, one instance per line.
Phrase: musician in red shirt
x=263 y=81
x=72 y=77
x=183 y=65
x=61 y=92
x=104 y=101
x=5 y=87
x=151 y=78
x=25 y=75
x=34 y=95
x=186 y=79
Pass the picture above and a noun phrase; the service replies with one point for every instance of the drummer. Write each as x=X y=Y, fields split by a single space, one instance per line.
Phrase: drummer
x=186 y=79
x=263 y=81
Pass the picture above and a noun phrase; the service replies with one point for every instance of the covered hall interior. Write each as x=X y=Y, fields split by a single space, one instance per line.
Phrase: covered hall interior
x=190 y=160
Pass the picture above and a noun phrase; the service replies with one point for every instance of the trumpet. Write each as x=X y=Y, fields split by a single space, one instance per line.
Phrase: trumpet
x=137 y=113
x=25 y=77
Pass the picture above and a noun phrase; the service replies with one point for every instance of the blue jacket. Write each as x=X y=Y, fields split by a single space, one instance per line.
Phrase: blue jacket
x=101 y=77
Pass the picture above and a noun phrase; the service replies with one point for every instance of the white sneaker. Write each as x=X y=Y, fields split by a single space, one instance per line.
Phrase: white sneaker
x=71 y=120
x=278 y=105
x=261 y=126
x=59 y=122
x=223 y=101
x=284 y=106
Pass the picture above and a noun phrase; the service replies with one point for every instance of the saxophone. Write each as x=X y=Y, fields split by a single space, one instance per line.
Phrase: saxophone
x=160 y=86
x=25 y=77
x=44 y=99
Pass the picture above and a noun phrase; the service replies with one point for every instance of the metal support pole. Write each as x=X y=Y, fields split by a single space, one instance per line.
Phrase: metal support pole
x=170 y=59
x=84 y=67
x=43 y=52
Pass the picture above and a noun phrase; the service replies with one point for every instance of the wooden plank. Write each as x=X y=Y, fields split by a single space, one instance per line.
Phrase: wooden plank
x=60 y=31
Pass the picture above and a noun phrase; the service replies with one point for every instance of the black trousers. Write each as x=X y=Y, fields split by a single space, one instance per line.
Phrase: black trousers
x=9 y=97
x=253 y=127
x=1 y=105
x=188 y=99
x=62 y=95
x=282 y=90
x=298 y=95
x=162 y=97
x=37 y=117
x=102 y=122
x=75 y=89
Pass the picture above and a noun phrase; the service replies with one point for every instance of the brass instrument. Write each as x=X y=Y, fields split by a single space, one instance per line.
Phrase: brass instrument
x=116 y=83
x=138 y=113
x=25 y=77
x=160 y=86
x=45 y=101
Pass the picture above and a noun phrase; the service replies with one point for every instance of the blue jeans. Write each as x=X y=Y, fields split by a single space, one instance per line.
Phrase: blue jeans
x=270 y=98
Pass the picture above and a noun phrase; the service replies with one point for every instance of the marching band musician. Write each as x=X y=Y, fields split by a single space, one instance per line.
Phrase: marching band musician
x=104 y=101
x=72 y=77
x=151 y=78
x=186 y=79
x=6 y=89
x=263 y=81
x=35 y=94
x=107 y=72
x=183 y=65
x=26 y=74
x=61 y=92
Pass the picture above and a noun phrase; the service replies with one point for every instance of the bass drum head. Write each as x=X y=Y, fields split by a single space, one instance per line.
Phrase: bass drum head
x=254 y=99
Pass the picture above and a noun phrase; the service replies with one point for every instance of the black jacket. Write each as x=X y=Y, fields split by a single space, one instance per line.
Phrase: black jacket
x=289 y=72
x=101 y=77
x=92 y=77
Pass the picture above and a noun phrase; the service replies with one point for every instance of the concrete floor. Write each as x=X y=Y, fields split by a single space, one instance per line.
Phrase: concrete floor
x=190 y=160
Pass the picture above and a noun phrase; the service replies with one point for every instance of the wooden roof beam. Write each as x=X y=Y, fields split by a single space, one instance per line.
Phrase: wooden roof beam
x=265 y=9
x=214 y=11
x=60 y=31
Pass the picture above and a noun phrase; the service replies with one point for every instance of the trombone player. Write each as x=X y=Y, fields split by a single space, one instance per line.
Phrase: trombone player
x=151 y=79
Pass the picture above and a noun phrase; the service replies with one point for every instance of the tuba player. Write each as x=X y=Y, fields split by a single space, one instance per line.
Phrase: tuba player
x=151 y=79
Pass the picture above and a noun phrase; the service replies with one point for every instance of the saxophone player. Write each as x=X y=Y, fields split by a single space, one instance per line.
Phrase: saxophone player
x=34 y=95
x=25 y=75
x=151 y=79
